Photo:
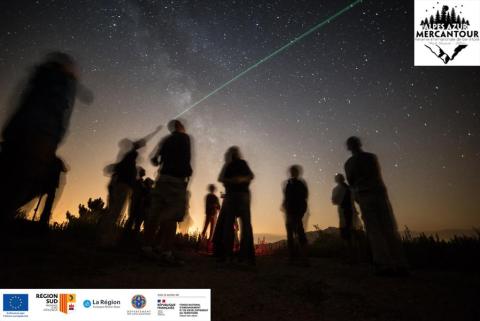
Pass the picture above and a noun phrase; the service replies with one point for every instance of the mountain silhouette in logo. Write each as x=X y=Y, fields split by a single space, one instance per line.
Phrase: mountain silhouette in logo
x=440 y=53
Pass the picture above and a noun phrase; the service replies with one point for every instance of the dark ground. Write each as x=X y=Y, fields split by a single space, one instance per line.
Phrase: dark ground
x=273 y=290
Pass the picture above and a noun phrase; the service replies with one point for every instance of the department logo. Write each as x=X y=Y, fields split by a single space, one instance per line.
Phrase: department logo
x=447 y=33
x=67 y=303
x=87 y=303
x=15 y=302
x=139 y=301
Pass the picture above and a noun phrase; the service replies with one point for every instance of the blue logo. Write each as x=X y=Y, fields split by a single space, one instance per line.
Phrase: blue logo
x=87 y=303
x=15 y=302
x=139 y=301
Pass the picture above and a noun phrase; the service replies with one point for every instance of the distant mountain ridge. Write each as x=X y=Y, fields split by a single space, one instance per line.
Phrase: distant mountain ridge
x=447 y=234
x=444 y=234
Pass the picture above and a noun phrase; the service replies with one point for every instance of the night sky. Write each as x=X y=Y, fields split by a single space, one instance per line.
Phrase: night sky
x=146 y=61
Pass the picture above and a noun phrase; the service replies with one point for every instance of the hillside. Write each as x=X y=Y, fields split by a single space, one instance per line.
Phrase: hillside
x=329 y=289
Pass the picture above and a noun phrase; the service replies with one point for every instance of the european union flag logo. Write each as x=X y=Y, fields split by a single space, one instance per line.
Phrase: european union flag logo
x=15 y=302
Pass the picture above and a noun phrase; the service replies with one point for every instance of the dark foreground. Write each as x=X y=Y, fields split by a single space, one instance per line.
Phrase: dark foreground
x=328 y=290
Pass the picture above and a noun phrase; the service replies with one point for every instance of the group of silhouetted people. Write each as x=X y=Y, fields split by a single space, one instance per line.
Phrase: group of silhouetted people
x=159 y=205
x=30 y=168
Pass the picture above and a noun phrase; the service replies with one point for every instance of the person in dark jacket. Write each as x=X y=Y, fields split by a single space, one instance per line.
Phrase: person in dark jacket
x=295 y=206
x=35 y=130
x=236 y=176
x=169 y=196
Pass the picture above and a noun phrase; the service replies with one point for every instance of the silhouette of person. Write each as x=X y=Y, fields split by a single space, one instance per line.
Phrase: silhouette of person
x=50 y=188
x=343 y=198
x=169 y=196
x=139 y=201
x=187 y=222
x=35 y=130
x=236 y=176
x=212 y=206
x=365 y=179
x=120 y=188
x=295 y=200
x=351 y=229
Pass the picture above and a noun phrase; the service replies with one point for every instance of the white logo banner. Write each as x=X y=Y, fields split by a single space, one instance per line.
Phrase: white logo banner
x=105 y=304
x=447 y=33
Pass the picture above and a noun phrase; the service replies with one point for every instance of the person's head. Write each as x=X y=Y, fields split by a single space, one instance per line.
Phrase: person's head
x=125 y=145
x=66 y=61
x=141 y=172
x=232 y=153
x=176 y=125
x=148 y=182
x=212 y=188
x=295 y=171
x=354 y=144
x=339 y=178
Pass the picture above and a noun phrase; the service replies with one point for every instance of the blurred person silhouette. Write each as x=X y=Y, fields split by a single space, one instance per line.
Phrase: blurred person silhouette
x=236 y=176
x=52 y=187
x=139 y=202
x=120 y=188
x=343 y=198
x=349 y=222
x=212 y=206
x=295 y=205
x=35 y=129
x=364 y=176
x=185 y=225
x=169 y=196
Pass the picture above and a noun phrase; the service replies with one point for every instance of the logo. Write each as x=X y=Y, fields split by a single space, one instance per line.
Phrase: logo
x=447 y=33
x=67 y=303
x=163 y=307
x=87 y=303
x=102 y=303
x=139 y=301
x=53 y=302
x=15 y=302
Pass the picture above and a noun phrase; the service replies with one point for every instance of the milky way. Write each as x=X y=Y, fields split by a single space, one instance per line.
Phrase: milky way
x=146 y=61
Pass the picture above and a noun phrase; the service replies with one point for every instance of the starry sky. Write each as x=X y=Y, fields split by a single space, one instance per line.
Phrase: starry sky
x=146 y=61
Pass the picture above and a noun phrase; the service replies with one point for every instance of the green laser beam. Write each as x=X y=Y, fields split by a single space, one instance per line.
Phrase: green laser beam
x=273 y=54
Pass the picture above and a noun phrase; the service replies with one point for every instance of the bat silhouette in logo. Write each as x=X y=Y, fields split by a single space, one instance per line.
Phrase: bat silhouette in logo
x=442 y=55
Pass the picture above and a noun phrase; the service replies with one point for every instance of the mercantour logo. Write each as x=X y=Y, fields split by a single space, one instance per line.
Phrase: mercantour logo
x=447 y=33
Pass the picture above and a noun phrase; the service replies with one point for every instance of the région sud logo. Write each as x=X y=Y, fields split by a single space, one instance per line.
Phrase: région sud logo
x=67 y=303
x=447 y=33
